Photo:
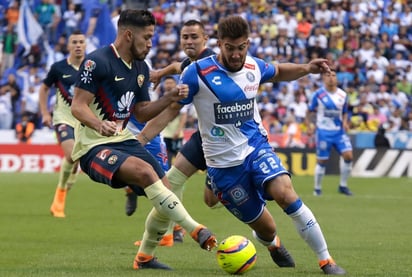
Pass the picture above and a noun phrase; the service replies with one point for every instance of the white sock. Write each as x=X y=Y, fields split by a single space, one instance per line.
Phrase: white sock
x=319 y=173
x=309 y=229
x=345 y=170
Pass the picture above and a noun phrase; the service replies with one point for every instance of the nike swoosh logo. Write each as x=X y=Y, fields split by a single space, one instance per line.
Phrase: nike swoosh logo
x=163 y=201
x=66 y=76
x=118 y=78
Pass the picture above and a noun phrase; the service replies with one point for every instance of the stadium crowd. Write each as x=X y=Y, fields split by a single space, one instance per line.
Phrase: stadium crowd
x=368 y=42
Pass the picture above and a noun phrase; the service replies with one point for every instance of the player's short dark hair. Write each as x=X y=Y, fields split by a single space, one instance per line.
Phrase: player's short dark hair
x=77 y=32
x=232 y=27
x=194 y=22
x=136 y=18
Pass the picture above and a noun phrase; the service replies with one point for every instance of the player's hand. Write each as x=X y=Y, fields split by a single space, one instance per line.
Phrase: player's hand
x=180 y=92
x=47 y=120
x=319 y=66
x=107 y=128
x=155 y=78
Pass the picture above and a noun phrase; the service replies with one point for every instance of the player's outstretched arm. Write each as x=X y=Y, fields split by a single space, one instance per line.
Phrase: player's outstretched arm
x=145 y=111
x=293 y=71
x=157 y=124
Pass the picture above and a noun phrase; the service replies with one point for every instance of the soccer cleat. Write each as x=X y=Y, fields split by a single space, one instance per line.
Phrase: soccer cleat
x=57 y=207
x=331 y=268
x=345 y=190
x=167 y=240
x=178 y=234
x=281 y=256
x=131 y=202
x=317 y=192
x=204 y=237
x=150 y=264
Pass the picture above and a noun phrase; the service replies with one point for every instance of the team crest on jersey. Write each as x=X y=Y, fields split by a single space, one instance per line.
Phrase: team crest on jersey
x=89 y=65
x=112 y=159
x=250 y=76
x=140 y=80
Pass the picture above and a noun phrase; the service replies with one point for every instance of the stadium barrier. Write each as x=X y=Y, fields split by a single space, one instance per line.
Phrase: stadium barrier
x=44 y=155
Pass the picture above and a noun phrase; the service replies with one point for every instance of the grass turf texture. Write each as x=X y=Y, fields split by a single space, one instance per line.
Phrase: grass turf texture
x=368 y=234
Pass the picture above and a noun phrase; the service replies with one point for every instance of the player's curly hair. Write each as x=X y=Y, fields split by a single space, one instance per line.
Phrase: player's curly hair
x=232 y=27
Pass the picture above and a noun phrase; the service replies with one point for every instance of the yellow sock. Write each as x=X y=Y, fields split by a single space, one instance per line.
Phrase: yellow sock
x=169 y=206
x=155 y=226
x=65 y=172
x=177 y=181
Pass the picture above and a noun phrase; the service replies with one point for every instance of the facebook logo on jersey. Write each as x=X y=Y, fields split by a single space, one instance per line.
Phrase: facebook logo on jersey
x=234 y=112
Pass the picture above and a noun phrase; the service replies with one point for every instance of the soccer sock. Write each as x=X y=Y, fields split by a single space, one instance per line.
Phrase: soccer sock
x=345 y=170
x=308 y=228
x=275 y=242
x=319 y=173
x=72 y=177
x=169 y=206
x=155 y=227
x=65 y=172
x=177 y=180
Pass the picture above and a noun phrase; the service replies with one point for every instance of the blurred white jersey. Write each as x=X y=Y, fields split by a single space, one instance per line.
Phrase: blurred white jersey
x=329 y=108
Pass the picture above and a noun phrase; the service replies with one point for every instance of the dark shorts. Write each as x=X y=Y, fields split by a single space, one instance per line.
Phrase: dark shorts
x=64 y=132
x=102 y=162
x=192 y=150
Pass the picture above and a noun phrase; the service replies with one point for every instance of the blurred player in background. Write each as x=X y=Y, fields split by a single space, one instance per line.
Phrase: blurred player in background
x=330 y=104
x=62 y=76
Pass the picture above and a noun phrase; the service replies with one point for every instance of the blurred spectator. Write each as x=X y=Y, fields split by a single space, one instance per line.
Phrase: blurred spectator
x=30 y=101
x=10 y=93
x=9 y=48
x=71 y=19
x=25 y=129
x=380 y=140
x=12 y=13
x=292 y=135
x=47 y=16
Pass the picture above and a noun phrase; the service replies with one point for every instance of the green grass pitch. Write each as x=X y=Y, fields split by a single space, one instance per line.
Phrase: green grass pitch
x=367 y=234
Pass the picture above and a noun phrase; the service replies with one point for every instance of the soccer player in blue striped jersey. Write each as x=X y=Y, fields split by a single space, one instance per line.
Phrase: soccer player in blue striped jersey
x=330 y=104
x=62 y=76
x=112 y=84
x=244 y=170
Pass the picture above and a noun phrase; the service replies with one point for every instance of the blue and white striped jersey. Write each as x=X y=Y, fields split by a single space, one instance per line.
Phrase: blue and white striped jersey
x=329 y=108
x=228 y=115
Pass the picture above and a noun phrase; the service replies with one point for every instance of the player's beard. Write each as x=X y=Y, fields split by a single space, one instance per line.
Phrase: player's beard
x=230 y=67
x=140 y=56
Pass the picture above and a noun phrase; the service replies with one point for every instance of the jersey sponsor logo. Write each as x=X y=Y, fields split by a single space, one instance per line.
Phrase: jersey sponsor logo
x=66 y=76
x=103 y=154
x=125 y=101
x=209 y=69
x=251 y=88
x=234 y=112
x=250 y=66
x=117 y=78
x=239 y=195
x=140 y=80
x=216 y=80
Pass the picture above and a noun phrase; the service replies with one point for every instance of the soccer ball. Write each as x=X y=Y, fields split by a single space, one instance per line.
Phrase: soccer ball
x=236 y=254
